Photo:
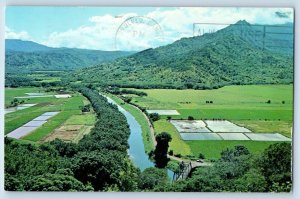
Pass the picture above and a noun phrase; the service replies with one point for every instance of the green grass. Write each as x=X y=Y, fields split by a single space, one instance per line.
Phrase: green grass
x=230 y=102
x=212 y=149
x=178 y=145
x=283 y=127
x=235 y=114
x=70 y=108
x=10 y=93
x=244 y=105
x=16 y=119
x=67 y=107
x=140 y=118
x=84 y=119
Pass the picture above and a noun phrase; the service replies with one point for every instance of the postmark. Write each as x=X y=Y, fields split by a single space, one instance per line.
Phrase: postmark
x=138 y=33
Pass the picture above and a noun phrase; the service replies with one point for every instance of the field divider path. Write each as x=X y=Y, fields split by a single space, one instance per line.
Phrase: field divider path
x=206 y=126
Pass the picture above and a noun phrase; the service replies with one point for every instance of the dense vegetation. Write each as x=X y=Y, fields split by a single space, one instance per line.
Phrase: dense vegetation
x=118 y=91
x=229 y=56
x=59 y=166
x=98 y=162
x=29 y=56
x=239 y=171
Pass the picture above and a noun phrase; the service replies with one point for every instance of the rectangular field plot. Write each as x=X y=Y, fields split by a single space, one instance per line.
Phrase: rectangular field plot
x=66 y=133
x=224 y=126
x=21 y=131
x=164 y=112
x=200 y=136
x=49 y=113
x=62 y=96
x=26 y=105
x=190 y=126
x=34 y=123
x=42 y=118
x=35 y=94
x=233 y=136
x=267 y=137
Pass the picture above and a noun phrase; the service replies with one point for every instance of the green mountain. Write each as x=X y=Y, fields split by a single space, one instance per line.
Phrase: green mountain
x=229 y=56
x=24 y=56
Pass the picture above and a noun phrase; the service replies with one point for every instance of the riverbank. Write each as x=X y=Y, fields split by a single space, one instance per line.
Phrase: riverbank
x=148 y=136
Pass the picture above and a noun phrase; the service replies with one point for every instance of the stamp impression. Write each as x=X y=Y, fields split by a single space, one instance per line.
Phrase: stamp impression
x=138 y=33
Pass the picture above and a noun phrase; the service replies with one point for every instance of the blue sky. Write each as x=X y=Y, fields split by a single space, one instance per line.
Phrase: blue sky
x=99 y=27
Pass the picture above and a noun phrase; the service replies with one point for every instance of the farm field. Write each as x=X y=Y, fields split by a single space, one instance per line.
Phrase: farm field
x=10 y=93
x=246 y=106
x=230 y=102
x=69 y=112
x=211 y=148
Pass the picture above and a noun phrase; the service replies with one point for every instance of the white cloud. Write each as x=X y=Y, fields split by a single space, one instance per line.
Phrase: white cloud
x=175 y=24
x=10 y=34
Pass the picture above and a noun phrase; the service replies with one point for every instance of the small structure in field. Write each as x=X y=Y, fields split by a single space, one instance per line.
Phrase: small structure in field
x=62 y=96
x=164 y=112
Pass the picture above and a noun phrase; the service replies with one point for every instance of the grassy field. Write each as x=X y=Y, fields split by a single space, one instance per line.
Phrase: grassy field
x=230 y=102
x=177 y=144
x=69 y=108
x=212 y=149
x=283 y=127
x=10 y=93
x=244 y=105
x=86 y=119
x=138 y=115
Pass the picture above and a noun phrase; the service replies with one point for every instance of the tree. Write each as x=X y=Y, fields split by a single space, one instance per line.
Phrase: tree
x=230 y=154
x=154 y=117
x=252 y=181
x=97 y=168
x=86 y=108
x=201 y=156
x=190 y=118
x=12 y=183
x=275 y=164
x=161 y=150
x=152 y=177
x=57 y=182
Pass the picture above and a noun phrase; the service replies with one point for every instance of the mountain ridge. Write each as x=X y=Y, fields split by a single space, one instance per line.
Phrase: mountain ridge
x=225 y=57
x=26 y=56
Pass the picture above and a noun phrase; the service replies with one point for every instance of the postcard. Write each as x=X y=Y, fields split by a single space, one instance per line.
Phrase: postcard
x=149 y=99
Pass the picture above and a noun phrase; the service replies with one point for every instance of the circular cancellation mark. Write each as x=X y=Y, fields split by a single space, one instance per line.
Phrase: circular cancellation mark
x=138 y=33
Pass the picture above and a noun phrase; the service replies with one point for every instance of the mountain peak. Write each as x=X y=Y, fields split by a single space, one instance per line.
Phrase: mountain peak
x=242 y=22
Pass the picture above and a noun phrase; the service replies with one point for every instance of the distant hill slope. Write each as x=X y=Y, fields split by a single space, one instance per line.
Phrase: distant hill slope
x=22 y=56
x=225 y=57
x=24 y=46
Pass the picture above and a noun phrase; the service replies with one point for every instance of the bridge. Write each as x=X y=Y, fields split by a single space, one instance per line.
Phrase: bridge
x=185 y=169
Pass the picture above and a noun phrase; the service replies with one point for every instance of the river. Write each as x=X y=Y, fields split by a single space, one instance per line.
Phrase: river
x=136 y=145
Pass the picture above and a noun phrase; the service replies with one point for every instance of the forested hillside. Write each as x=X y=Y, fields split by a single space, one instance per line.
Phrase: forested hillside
x=228 y=56
x=26 y=56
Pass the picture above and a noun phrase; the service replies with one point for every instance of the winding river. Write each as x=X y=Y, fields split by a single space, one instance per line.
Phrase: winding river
x=136 y=145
